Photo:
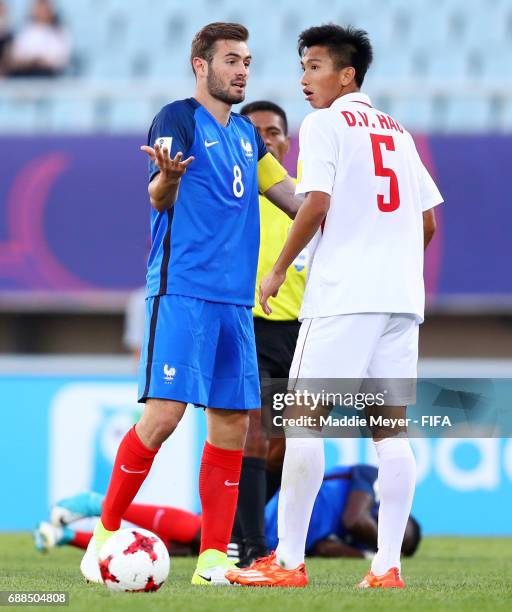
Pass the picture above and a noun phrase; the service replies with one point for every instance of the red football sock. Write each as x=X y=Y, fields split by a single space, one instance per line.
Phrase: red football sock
x=169 y=524
x=132 y=465
x=81 y=539
x=218 y=488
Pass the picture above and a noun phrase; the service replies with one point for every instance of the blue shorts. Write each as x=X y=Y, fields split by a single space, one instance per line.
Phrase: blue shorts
x=199 y=352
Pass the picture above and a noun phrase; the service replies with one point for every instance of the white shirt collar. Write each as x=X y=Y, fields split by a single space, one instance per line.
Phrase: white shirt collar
x=357 y=96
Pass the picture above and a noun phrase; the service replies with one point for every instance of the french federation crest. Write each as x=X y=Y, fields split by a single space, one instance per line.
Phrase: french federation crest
x=247 y=147
x=169 y=373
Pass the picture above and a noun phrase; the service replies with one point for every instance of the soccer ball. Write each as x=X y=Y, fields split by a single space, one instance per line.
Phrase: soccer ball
x=134 y=560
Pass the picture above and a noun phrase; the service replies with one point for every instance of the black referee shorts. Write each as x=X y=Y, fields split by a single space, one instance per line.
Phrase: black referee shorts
x=275 y=346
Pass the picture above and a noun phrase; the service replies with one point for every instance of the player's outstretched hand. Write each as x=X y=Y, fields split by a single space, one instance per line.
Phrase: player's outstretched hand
x=269 y=287
x=171 y=169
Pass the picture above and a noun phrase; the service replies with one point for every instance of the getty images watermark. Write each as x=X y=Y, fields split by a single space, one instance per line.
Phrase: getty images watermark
x=312 y=400
x=340 y=408
x=358 y=401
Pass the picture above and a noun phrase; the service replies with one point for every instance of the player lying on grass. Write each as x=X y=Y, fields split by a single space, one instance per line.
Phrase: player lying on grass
x=343 y=522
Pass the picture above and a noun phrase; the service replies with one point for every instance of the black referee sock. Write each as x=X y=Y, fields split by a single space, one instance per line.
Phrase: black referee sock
x=273 y=483
x=237 y=534
x=236 y=544
x=250 y=511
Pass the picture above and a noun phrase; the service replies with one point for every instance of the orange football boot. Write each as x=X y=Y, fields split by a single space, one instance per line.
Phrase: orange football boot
x=390 y=580
x=266 y=572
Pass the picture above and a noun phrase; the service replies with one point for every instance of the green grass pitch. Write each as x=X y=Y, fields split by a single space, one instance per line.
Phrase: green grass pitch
x=447 y=574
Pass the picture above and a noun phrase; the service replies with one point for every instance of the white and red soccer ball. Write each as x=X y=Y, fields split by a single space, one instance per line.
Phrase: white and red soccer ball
x=134 y=560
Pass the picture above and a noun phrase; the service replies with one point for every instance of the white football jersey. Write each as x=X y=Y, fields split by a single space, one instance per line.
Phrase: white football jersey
x=368 y=255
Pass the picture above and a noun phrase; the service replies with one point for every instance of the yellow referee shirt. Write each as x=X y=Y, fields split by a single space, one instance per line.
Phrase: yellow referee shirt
x=274 y=228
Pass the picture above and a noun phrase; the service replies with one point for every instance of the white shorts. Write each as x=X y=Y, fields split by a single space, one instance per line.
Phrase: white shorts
x=357 y=346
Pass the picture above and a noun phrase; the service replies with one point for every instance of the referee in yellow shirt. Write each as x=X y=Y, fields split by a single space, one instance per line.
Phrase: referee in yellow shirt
x=276 y=335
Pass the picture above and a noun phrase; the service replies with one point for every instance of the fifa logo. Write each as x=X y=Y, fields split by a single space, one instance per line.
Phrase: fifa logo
x=164 y=141
x=169 y=373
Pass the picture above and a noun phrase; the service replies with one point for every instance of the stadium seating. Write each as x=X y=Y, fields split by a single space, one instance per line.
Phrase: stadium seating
x=439 y=45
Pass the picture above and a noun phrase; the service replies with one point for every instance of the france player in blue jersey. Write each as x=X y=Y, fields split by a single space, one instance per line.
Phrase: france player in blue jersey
x=206 y=168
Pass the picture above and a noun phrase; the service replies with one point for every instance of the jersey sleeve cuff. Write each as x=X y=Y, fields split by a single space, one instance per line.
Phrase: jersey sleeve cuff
x=303 y=188
x=431 y=204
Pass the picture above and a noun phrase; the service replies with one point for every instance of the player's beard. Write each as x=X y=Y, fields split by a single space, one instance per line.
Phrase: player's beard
x=219 y=91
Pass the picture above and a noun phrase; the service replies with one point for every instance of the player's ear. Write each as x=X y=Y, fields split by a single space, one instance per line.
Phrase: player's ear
x=348 y=74
x=200 y=66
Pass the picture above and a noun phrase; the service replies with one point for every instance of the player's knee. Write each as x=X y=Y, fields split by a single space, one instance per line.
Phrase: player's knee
x=158 y=423
x=241 y=426
x=154 y=434
x=227 y=428
x=237 y=420
x=163 y=428
x=255 y=446
x=256 y=443
x=275 y=457
x=352 y=522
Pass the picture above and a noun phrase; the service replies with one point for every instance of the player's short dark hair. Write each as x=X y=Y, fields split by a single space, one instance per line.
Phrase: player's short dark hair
x=412 y=545
x=347 y=46
x=203 y=43
x=266 y=105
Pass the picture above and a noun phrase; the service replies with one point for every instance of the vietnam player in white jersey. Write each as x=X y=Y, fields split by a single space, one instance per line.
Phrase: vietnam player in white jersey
x=368 y=210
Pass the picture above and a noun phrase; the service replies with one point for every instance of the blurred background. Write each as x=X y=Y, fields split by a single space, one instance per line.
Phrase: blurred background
x=80 y=81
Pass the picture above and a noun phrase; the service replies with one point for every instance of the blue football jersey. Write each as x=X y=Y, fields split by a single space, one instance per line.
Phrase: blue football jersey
x=206 y=245
x=326 y=518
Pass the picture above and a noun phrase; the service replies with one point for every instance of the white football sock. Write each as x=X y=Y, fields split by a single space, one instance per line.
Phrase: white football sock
x=303 y=472
x=397 y=479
